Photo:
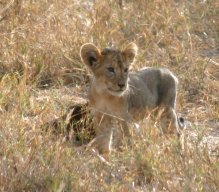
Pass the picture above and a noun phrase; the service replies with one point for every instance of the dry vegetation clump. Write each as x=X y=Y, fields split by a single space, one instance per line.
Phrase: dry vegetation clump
x=41 y=76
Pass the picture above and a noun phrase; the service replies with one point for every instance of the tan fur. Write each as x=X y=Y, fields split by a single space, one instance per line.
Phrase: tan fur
x=118 y=97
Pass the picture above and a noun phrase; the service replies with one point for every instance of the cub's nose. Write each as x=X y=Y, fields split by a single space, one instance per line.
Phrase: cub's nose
x=121 y=85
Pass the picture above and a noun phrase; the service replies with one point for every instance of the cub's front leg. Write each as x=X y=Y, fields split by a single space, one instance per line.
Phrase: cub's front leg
x=121 y=133
x=110 y=131
x=104 y=132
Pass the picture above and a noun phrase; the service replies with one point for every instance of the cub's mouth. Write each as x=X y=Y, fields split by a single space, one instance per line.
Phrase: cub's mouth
x=118 y=92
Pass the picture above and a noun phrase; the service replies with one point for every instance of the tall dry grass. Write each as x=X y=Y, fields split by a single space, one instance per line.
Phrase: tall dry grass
x=41 y=74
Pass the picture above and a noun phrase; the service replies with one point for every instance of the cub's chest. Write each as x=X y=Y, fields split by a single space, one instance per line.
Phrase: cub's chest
x=112 y=106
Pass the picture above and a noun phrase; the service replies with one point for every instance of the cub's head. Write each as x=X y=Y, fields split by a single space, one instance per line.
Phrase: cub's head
x=109 y=66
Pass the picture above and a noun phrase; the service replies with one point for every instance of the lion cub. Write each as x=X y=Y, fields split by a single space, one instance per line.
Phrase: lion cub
x=118 y=97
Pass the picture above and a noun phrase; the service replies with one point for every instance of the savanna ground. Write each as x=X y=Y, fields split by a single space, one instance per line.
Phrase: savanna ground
x=41 y=74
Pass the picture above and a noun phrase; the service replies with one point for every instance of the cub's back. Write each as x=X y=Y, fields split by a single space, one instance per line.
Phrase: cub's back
x=150 y=87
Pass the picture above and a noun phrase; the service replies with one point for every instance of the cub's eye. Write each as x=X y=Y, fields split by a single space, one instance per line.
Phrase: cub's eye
x=111 y=69
x=126 y=70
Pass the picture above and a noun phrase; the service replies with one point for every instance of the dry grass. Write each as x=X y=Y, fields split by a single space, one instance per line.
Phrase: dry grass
x=41 y=74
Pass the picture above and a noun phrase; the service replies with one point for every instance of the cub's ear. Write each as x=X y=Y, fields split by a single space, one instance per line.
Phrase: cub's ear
x=130 y=52
x=89 y=54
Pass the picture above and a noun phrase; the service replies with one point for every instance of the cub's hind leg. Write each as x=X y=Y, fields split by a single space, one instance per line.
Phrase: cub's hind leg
x=168 y=121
